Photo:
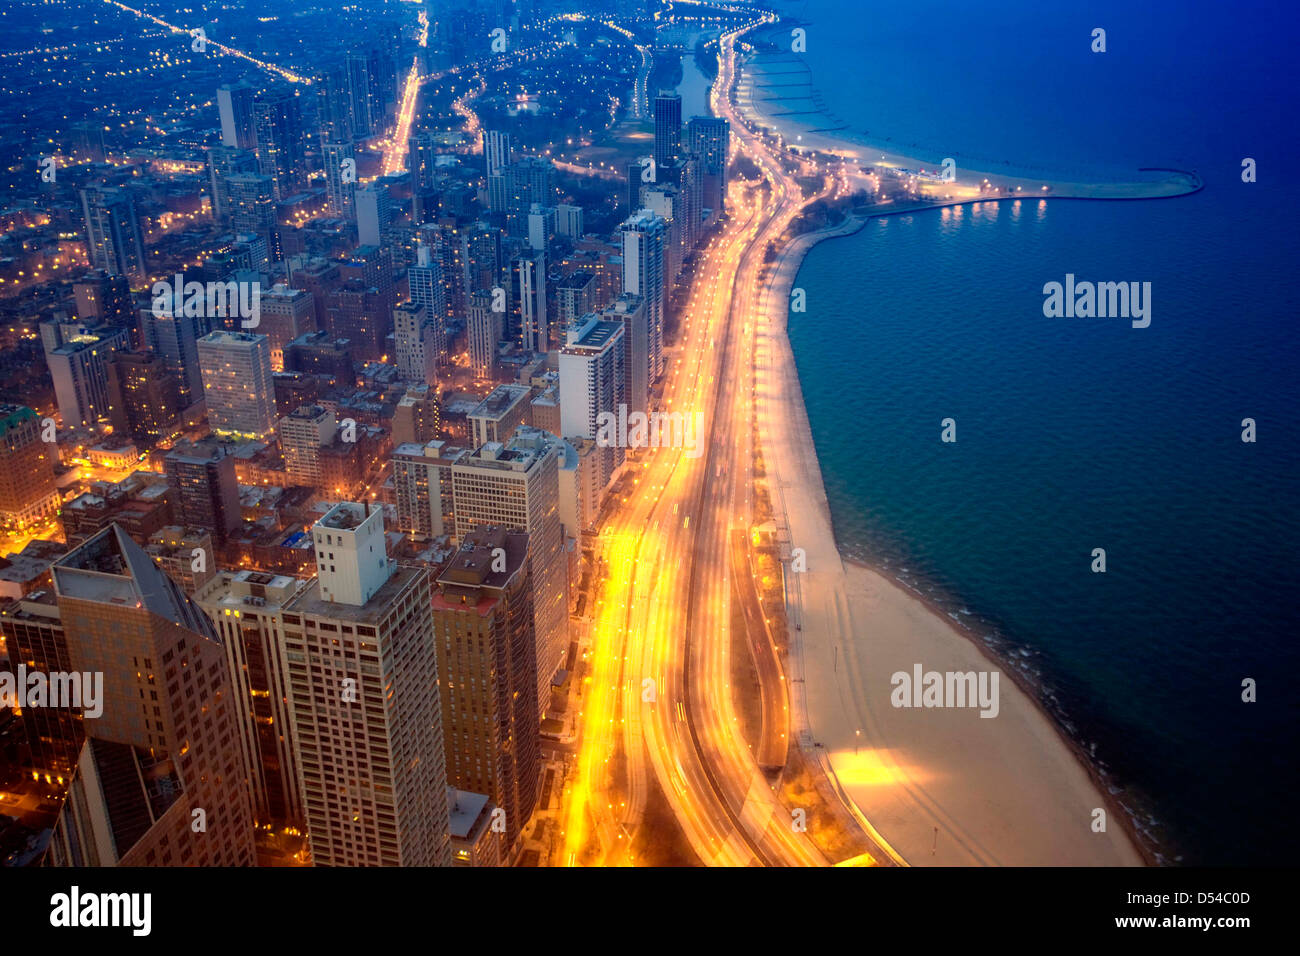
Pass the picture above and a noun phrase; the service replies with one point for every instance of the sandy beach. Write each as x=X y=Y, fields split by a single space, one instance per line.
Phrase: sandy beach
x=940 y=786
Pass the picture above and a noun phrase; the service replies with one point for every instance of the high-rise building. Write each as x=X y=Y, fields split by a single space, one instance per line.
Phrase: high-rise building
x=144 y=397
x=173 y=335
x=541 y=227
x=79 y=369
x=485 y=330
x=33 y=636
x=483 y=630
x=286 y=314
x=374 y=215
x=235 y=104
x=630 y=310
x=529 y=325
x=574 y=295
x=416 y=343
x=104 y=297
x=27 y=489
x=516 y=485
x=496 y=417
x=427 y=289
x=186 y=555
x=333 y=107
x=422 y=151
x=303 y=433
x=592 y=383
x=568 y=221
x=160 y=780
x=363 y=76
x=224 y=162
x=340 y=178
x=281 y=150
x=251 y=209
x=422 y=487
x=363 y=690
x=237 y=388
x=481 y=258
x=515 y=188
x=710 y=137
x=418 y=415
x=668 y=127
x=645 y=242
x=247 y=610
x=498 y=151
x=205 y=489
x=359 y=313
x=639 y=174
x=114 y=242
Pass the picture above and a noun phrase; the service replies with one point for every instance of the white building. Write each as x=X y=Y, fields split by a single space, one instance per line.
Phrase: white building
x=645 y=248
x=363 y=687
x=591 y=383
x=237 y=384
x=423 y=489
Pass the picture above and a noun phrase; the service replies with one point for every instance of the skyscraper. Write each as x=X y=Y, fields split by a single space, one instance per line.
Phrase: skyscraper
x=114 y=242
x=710 y=137
x=416 y=343
x=333 y=107
x=498 y=151
x=516 y=485
x=236 y=369
x=629 y=309
x=592 y=383
x=528 y=301
x=247 y=610
x=496 y=417
x=485 y=329
x=363 y=681
x=668 y=127
x=251 y=209
x=224 y=162
x=424 y=279
x=303 y=433
x=79 y=369
x=202 y=476
x=645 y=240
x=235 y=104
x=281 y=151
x=374 y=215
x=27 y=490
x=286 y=314
x=173 y=336
x=422 y=487
x=340 y=178
x=160 y=780
x=144 y=398
x=105 y=297
x=483 y=631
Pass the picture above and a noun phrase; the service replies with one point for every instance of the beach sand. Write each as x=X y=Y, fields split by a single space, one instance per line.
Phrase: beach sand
x=940 y=786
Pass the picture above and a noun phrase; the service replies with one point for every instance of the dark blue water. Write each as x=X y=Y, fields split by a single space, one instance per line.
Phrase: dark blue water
x=1075 y=434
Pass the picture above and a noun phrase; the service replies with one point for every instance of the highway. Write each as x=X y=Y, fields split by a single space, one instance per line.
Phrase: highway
x=658 y=699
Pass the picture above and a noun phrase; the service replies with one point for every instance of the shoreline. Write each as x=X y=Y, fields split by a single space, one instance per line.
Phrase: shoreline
x=840 y=585
x=1003 y=180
